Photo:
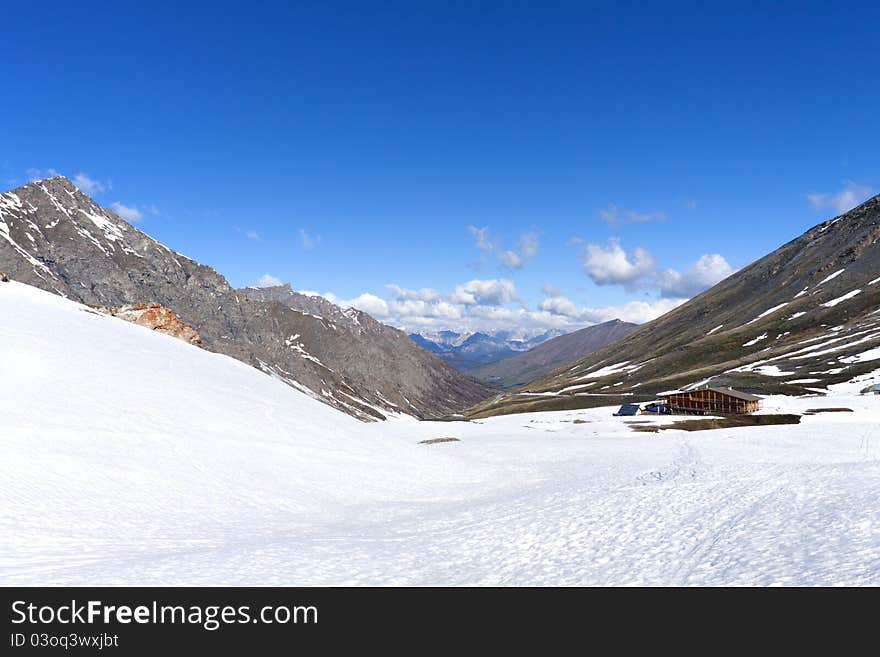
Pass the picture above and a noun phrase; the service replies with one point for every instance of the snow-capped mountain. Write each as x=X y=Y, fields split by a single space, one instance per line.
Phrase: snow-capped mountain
x=55 y=237
x=469 y=350
x=798 y=320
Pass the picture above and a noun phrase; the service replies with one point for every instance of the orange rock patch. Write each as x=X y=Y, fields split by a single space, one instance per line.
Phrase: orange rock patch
x=157 y=317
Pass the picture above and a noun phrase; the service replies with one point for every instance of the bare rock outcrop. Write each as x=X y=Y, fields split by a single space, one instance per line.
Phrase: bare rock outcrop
x=157 y=317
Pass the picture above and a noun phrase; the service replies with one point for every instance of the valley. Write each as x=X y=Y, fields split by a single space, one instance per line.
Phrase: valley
x=134 y=458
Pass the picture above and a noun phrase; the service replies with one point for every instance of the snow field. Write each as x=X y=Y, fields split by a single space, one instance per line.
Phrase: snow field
x=134 y=458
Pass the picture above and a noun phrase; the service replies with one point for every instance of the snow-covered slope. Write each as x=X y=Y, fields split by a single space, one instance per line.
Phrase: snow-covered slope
x=129 y=457
x=121 y=443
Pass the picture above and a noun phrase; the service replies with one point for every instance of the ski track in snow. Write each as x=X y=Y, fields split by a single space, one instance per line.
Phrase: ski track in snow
x=133 y=458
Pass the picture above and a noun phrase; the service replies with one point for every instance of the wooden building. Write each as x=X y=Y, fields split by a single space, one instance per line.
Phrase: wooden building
x=710 y=401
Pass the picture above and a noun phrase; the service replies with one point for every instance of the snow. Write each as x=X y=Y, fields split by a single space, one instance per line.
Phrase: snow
x=770 y=370
x=823 y=348
x=579 y=386
x=831 y=277
x=870 y=354
x=796 y=315
x=616 y=368
x=4 y=233
x=111 y=231
x=834 y=302
x=715 y=329
x=750 y=343
x=829 y=225
x=768 y=312
x=291 y=343
x=130 y=458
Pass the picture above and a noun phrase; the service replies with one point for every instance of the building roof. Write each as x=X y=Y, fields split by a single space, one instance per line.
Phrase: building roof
x=730 y=392
x=629 y=409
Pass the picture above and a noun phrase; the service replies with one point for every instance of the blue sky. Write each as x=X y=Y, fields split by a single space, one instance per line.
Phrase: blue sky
x=461 y=165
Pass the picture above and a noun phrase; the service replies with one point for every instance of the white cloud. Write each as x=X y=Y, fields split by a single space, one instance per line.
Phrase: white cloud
x=509 y=258
x=404 y=294
x=487 y=305
x=89 y=185
x=706 y=272
x=842 y=200
x=632 y=311
x=614 y=216
x=416 y=308
x=491 y=292
x=550 y=290
x=267 y=280
x=639 y=312
x=558 y=304
x=481 y=235
x=491 y=304
x=308 y=240
x=129 y=213
x=612 y=265
x=528 y=245
x=369 y=303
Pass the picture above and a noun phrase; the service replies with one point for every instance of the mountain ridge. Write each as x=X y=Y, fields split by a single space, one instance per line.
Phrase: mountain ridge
x=55 y=237
x=799 y=319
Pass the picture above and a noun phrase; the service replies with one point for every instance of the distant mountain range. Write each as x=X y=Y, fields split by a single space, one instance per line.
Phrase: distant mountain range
x=467 y=351
x=55 y=237
x=799 y=319
x=529 y=365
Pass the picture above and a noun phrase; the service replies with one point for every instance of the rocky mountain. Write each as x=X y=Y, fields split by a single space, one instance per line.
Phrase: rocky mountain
x=467 y=351
x=795 y=321
x=527 y=366
x=55 y=237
